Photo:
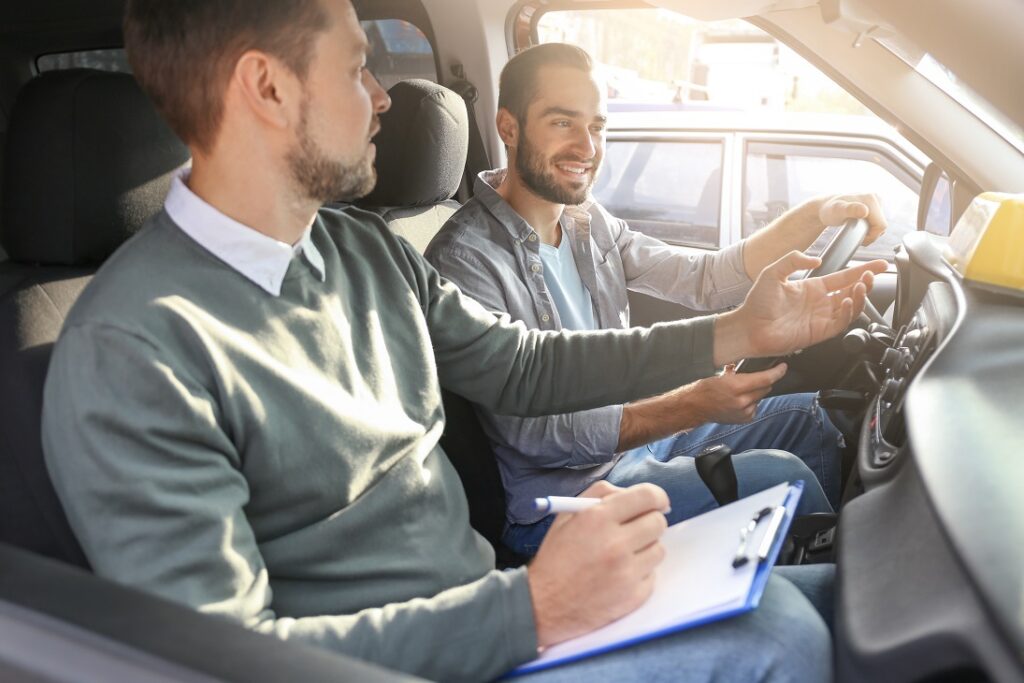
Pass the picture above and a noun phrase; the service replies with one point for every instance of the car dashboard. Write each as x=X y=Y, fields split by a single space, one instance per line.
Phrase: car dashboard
x=931 y=559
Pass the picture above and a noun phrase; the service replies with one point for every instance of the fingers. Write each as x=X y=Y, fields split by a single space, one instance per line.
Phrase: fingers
x=789 y=264
x=649 y=558
x=600 y=489
x=848 y=276
x=753 y=381
x=773 y=374
x=845 y=307
x=877 y=223
x=840 y=208
x=627 y=504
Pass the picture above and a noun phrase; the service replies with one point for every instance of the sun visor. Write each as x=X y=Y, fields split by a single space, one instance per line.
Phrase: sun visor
x=987 y=245
x=717 y=10
x=856 y=18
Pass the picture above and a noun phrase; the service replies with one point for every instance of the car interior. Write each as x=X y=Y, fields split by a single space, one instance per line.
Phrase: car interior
x=925 y=386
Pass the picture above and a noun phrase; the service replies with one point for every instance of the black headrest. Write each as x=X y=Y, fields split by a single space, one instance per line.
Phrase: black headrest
x=88 y=159
x=422 y=146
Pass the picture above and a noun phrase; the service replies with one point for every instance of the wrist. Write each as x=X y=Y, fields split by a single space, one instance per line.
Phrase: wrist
x=809 y=224
x=547 y=632
x=690 y=407
x=731 y=339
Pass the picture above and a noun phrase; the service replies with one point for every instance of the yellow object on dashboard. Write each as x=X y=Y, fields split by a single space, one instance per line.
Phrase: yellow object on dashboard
x=987 y=244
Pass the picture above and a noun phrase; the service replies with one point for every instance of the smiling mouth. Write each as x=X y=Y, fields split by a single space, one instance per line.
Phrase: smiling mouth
x=579 y=170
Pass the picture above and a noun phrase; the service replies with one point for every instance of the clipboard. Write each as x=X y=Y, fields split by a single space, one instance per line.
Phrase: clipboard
x=697 y=583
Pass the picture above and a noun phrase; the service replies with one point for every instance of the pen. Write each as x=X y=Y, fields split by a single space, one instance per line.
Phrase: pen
x=554 y=505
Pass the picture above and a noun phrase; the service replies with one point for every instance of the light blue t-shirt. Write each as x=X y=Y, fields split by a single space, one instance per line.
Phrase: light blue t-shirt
x=570 y=295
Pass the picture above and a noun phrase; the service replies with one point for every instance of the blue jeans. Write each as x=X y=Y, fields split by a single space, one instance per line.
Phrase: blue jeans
x=793 y=440
x=785 y=640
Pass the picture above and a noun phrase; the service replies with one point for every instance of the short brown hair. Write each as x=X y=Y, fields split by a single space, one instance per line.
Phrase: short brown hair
x=183 y=51
x=518 y=84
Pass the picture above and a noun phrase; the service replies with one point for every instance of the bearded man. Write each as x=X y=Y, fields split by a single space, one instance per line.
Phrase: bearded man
x=533 y=244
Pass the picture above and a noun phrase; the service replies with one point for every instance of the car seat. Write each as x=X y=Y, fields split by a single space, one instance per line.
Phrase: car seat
x=421 y=154
x=87 y=161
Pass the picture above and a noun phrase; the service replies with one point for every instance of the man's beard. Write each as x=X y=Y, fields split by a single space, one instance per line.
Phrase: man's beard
x=530 y=167
x=323 y=179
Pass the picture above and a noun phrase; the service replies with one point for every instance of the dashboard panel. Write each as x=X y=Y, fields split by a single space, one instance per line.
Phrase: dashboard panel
x=931 y=568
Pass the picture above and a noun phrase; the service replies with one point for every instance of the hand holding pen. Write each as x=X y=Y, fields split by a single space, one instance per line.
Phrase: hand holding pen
x=597 y=564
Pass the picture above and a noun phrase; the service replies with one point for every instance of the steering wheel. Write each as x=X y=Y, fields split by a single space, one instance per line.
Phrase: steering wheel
x=835 y=256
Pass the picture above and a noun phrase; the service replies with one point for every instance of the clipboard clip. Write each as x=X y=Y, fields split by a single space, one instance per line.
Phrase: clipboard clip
x=742 y=552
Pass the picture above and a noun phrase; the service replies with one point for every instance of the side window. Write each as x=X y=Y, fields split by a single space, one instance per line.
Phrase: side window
x=689 y=78
x=779 y=176
x=398 y=51
x=113 y=59
x=671 y=190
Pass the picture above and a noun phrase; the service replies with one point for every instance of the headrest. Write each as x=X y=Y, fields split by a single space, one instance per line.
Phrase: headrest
x=422 y=146
x=88 y=160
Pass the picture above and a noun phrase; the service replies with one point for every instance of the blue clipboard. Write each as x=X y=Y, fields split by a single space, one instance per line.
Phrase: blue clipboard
x=561 y=654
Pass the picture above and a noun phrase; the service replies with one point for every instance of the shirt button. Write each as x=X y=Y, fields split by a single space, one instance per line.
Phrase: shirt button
x=545 y=317
x=532 y=237
x=535 y=267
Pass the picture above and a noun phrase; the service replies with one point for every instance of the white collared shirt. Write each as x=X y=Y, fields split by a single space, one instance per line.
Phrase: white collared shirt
x=261 y=259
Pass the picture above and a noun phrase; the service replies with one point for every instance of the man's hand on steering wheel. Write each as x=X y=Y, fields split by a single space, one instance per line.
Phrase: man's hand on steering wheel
x=780 y=316
x=838 y=209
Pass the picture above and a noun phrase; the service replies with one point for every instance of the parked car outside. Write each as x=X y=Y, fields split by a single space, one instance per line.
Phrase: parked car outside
x=707 y=179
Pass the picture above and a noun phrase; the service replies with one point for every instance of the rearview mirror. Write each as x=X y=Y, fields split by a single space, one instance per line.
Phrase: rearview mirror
x=935 y=207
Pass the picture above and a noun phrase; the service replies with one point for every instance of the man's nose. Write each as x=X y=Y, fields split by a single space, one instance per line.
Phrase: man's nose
x=583 y=144
x=378 y=95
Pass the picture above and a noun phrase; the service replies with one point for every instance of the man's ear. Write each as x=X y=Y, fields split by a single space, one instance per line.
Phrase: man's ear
x=508 y=128
x=271 y=92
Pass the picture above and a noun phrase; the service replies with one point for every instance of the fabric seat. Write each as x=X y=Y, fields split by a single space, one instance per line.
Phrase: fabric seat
x=87 y=161
x=421 y=157
x=421 y=154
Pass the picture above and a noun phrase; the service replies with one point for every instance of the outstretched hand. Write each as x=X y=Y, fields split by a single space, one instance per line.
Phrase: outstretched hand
x=780 y=316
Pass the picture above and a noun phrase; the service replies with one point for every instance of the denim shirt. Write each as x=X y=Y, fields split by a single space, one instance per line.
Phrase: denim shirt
x=492 y=254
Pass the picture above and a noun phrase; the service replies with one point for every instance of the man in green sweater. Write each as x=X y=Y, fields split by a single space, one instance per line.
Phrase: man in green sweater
x=243 y=410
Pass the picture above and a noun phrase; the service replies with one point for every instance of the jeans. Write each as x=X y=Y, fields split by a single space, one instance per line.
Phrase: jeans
x=792 y=439
x=786 y=639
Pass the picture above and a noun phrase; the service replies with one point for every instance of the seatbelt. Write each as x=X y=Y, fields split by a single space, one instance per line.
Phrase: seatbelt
x=476 y=159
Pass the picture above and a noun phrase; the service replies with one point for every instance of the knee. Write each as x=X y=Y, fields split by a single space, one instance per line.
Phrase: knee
x=783 y=465
x=795 y=641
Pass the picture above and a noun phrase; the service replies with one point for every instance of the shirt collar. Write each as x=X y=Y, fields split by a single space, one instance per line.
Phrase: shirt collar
x=258 y=257
x=486 y=189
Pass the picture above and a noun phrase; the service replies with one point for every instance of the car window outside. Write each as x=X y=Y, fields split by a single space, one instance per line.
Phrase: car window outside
x=398 y=51
x=684 y=69
x=668 y=190
x=778 y=177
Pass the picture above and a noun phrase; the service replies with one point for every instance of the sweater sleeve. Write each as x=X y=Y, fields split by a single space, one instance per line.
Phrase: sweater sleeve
x=579 y=439
x=514 y=371
x=154 y=488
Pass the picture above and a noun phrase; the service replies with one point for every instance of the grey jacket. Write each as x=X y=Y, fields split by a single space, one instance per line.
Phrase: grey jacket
x=493 y=255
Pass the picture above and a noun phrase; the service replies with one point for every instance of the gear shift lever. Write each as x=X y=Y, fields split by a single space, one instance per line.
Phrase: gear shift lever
x=714 y=465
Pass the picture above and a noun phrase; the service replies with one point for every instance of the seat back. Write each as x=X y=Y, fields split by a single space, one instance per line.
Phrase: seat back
x=87 y=160
x=421 y=154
